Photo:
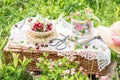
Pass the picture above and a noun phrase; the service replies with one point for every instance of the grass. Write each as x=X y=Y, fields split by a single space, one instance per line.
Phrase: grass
x=12 y=11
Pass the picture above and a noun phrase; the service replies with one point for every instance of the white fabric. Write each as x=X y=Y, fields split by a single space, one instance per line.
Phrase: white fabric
x=102 y=54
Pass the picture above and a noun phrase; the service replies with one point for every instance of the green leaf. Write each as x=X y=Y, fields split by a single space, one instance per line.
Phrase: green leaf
x=15 y=59
x=45 y=54
x=11 y=68
x=76 y=38
x=78 y=46
x=21 y=42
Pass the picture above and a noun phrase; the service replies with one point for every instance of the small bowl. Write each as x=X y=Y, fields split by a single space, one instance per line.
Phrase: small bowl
x=40 y=34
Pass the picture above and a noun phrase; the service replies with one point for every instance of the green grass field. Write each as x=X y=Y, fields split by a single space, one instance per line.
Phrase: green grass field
x=12 y=11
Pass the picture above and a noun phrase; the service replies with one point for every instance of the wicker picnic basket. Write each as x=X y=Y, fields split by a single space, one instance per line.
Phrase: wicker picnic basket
x=90 y=66
x=18 y=34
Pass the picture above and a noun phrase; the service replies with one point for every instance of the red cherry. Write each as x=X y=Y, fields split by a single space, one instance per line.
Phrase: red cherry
x=42 y=45
x=30 y=20
x=33 y=28
x=86 y=46
x=46 y=45
x=16 y=25
x=50 y=28
x=93 y=46
x=51 y=41
x=37 y=47
x=36 y=44
x=38 y=27
x=40 y=24
x=50 y=24
x=35 y=24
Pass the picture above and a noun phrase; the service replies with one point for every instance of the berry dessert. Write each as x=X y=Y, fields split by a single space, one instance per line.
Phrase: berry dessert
x=41 y=31
x=40 y=27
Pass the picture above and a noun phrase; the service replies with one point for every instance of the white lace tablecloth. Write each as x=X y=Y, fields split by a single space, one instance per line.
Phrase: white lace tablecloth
x=102 y=54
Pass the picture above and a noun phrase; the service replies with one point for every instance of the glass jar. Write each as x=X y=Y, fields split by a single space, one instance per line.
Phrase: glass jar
x=83 y=29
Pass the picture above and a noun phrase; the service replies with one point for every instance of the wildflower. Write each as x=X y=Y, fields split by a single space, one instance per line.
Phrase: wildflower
x=20 y=9
x=108 y=75
x=71 y=13
x=65 y=77
x=50 y=59
x=88 y=10
x=50 y=67
x=66 y=72
x=68 y=17
x=81 y=68
x=71 y=60
x=38 y=59
x=60 y=64
x=31 y=72
x=77 y=13
x=104 y=78
x=72 y=71
x=77 y=62
x=97 y=76
x=83 y=73
x=52 y=64
x=74 y=57
x=85 y=70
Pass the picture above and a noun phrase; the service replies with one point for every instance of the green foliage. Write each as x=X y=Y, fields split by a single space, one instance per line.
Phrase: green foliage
x=116 y=57
x=13 y=70
x=62 y=69
x=78 y=46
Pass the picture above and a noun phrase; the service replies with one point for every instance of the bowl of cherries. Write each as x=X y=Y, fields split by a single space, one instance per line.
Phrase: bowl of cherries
x=39 y=29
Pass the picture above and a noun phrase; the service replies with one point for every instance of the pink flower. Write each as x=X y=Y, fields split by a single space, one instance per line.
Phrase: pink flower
x=66 y=72
x=74 y=57
x=83 y=73
x=71 y=60
x=81 y=68
x=60 y=64
x=31 y=72
x=71 y=13
x=85 y=70
x=79 y=27
x=116 y=40
x=38 y=59
x=51 y=65
x=97 y=76
x=68 y=17
x=77 y=13
x=104 y=78
x=65 y=77
x=72 y=71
